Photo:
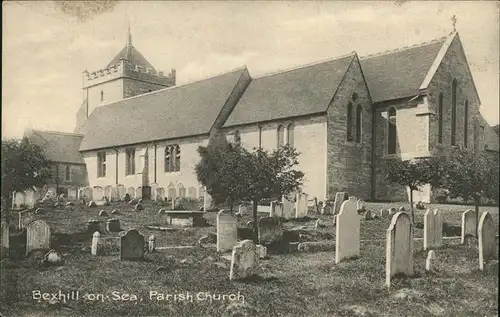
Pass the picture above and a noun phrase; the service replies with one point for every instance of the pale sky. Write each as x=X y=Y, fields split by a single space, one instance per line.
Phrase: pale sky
x=47 y=46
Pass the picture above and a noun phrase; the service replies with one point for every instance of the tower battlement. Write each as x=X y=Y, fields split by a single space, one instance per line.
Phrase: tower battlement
x=127 y=70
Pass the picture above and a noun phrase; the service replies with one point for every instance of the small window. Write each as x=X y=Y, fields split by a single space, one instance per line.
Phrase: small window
x=281 y=136
x=391 y=131
x=177 y=150
x=102 y=95
x=359 y=123
x=237 y=137
x=289 y=134
x=168 y=159
x=101 y=164
x=67 y=174
x=349 y=121
x=440 y=118
x=466 y=122
x=130 y=161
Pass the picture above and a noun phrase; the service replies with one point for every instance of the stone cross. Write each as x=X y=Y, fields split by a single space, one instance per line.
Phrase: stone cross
x=347 y=231
x=399 y=248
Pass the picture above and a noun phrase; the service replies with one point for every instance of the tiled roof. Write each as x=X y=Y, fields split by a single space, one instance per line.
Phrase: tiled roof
x=58 y=146
x=132 y=55
x=399 y=73
x=297 y=92
x=174 y=112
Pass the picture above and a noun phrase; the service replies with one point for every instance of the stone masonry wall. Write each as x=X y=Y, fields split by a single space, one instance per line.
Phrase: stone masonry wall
x=132 y=87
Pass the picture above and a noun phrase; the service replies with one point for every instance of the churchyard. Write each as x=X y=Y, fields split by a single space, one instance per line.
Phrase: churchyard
x=313 y=268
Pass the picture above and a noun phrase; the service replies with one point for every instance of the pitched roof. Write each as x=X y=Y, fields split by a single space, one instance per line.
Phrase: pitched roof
x=173 y=112
x=58 y=146
x=297 y=92
x=398 y=74
x=132 y=55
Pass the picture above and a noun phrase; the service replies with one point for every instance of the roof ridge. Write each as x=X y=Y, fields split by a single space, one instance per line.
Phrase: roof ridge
x=331 y=59
x=241 y=68
x=56 y=132
x=400 y=49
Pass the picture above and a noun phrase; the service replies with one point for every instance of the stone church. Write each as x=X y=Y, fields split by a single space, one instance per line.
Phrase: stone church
x=347 y=116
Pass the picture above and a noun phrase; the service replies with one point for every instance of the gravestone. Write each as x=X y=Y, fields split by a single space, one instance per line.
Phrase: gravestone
x=487 y=239
x=261 y=251
x=469 y=224
x=288 y=208
x=25 y=218
x=132 y=245
x=399 y=247
x=160 y=194
x=326 y=208
x=98 y=193
x=114 y=194
x=138 y=192
x=340 y=197
x=433 y=229
x=347 y=231
x=37 y=236
x=269 y=230
x=368 y=215
x=301 y=206
x=121 y=192
x=360 y=205
x=131 y=192
x=5 y=239
x=276 y=209
x=244 y=260
x=384 y=213
x=92 y=225
x=431 y=256
x=107 y=191
x=227 y=231
x=95 y=243
x=113 y=225
x=151 y=243
x=244 y=209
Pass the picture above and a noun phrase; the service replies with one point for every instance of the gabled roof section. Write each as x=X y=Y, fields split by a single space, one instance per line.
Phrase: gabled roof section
x=174 y=112
x=400 y=73
x=58 y=146
x=130 y=54
x=301 y=91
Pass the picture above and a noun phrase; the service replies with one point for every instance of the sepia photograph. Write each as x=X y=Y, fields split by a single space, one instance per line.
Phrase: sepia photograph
x=250 y=158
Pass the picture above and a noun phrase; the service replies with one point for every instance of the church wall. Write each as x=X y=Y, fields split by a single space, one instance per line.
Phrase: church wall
x=133 y=87
x=309 y=135
x=112 y=91
x=349 y=163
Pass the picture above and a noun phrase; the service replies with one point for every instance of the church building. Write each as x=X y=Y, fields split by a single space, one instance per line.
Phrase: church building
x=347 y=116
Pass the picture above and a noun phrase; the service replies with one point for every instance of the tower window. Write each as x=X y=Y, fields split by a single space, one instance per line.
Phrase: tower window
x=359 y=122
x=67 y=174
x=280 y=136
x=289 y=133
x=101 y=164
x=130 y=161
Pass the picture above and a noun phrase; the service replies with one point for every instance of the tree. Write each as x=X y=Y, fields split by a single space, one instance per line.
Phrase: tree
x=471 y=175
x=232 y=173
x=24 y=166
x=415 y=173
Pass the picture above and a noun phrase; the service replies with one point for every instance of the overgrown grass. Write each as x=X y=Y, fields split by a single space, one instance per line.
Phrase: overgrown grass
x=298 y=284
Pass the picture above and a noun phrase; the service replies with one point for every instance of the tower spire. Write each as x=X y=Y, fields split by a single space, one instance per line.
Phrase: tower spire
x=129 y=37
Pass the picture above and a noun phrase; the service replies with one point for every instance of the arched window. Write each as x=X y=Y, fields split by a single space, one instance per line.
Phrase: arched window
x=168 y=159
x=177 y=150
x=281 y=136
x=440 y=118
x=237 y=137
x=67 y=174
x=359 y=123
x=453 y=112
x=466 y=121
x=391 y=131
x=349 y=121
x=289 y=134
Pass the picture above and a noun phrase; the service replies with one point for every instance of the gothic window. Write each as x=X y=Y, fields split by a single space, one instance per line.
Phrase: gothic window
x=67 y=174
x=440 y=118
x=182 y=191
x=466 y=122
x=349 y=121
x=359 y=123
x=289 y=134
x=391 y=131
x=130 y=161
x=168 y=159
x=237 y=137
x=281 y=136
x=453 y=112
x=102 y=95
x=101 y=164
x=177 y=165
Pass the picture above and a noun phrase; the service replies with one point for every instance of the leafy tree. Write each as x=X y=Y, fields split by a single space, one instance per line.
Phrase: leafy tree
x=471 y=176
x=24 y=166
x=232 y=173
x=415 y=173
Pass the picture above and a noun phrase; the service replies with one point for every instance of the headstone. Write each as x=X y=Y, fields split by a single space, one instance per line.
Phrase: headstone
x=114 y=212
x=276 y=209
x=402 y=208
x=433 y=229
x=95 y=243
x=368 y=215
x=5 y=239
x=131 y=192
x=92 y=204
x=340 y=197
x=139 y=207
x=261 y=251
x=392 y=211
x=326 y=208
x=347 y=231
x=227 y=231
x=113 y=225
x=288 y=208
x=121 y=192
x=301 y=206
x=250 y=224
x=399 y=248
x=244 y=260
x=103 y=213
x=37 y=236
x=162 y=211
x=487 y=239
x=431 y=256
x=360 y=205
x=469 y=224
x=138 y=192
x=92 y=225
x=269 y=230
x=98 y=193
x=151 y=243
x=132 y=245
x=244 y=209
x=160 y=194
x=107 y=191
x=384 y=213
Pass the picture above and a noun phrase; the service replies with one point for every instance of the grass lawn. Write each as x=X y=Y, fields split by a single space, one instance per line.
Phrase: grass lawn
x=292 y=284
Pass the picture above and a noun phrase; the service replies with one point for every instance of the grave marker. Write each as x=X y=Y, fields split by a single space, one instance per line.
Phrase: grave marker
x=37 y=236
x=347 y=231
x=433 y=229
x=340 y=197
x=276 y=209
x=244 y=260
x=487 y=239
x=469 y=224
x=227 y=231
x=431 y=256
x=301 y=206
x=269 y=230
x=399 y=247
x=5 y=239
x=288 y=208
x=132 y=245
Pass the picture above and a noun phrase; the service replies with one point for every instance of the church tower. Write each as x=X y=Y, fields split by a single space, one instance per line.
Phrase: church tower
x=128 y=74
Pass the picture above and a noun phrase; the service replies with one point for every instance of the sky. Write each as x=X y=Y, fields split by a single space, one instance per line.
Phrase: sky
x=47 y=45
